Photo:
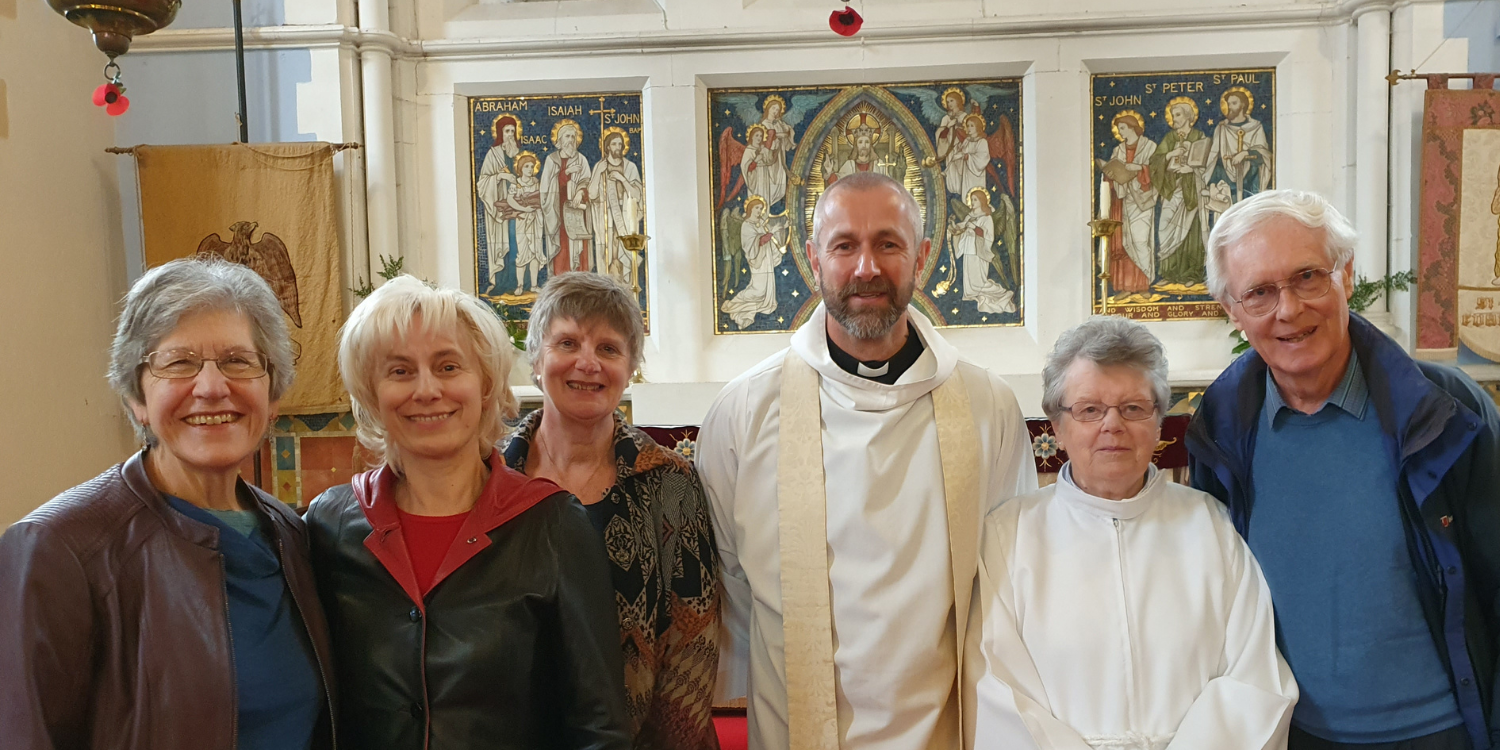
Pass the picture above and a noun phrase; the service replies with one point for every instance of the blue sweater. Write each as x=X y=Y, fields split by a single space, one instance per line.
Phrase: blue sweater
x=1328 y=534
x=276 y=677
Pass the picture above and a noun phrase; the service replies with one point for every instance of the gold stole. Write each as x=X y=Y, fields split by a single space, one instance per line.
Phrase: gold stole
x=801 y=505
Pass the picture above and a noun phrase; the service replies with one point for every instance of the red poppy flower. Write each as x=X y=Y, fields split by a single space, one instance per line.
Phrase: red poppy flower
x=112 y=99
x=845 y=22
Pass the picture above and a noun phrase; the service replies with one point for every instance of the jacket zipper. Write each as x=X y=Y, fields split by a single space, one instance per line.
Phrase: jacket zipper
x=234 y=680
x=333 y=735
x=426 y=704
x=1130 y=687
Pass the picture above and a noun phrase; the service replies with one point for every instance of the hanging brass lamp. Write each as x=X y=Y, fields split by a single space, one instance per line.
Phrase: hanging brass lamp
x=116 y=22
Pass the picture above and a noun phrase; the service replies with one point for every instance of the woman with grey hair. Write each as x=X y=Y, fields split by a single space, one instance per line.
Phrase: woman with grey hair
x=646 y=503
x=1116 y=609
x=166 y=603
x=470 y=604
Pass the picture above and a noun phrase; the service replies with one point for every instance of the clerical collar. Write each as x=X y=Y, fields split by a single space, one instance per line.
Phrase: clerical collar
x=886 y=372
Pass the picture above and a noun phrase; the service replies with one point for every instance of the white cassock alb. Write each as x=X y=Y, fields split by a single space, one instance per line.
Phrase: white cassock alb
x=890 y=577
x=1138 y=624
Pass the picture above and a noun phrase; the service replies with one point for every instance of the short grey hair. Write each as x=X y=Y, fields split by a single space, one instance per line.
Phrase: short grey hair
x=1105 y=340
x=390 y=314
x=1308 y=209
x=864 y=181
x=586 y=297
x=163 y=296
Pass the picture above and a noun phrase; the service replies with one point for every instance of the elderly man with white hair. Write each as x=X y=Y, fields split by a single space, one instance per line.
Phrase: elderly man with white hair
x=1366 y=483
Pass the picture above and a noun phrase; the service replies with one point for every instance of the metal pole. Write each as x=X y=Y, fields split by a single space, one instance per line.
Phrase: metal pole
x=239 y=71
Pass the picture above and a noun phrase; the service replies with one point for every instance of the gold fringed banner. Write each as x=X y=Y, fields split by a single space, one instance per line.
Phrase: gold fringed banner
x=271 y=207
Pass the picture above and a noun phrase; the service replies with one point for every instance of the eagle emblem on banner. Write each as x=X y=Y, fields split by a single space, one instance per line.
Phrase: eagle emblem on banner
x=267 y=257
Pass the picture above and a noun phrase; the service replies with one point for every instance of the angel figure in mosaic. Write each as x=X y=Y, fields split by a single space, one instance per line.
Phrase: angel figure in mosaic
x=971 y=160
x=973 y=241
x=761 y=245
x=525 y=199
x=967 y=149
x=950 y=130
x=616 y=197
x=1178 y=170
x=496 y=177
x=769 y=132
x=1132 y=250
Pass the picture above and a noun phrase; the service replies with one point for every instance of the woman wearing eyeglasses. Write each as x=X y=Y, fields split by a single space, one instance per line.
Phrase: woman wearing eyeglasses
x=166 y=603
x=1118 y=610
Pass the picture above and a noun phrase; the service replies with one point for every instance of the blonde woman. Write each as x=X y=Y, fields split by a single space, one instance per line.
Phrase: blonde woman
x=471 y=605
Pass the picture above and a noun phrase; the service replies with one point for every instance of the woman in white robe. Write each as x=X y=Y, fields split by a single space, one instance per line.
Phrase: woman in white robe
x=762 y=241
x=974 y=243
x=1119 y=610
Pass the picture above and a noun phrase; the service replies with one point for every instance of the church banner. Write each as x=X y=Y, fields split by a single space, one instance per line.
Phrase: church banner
x=1458 y=281
x=557 y=185
x=1171 y=153
x=269 y=206
x=955 y=144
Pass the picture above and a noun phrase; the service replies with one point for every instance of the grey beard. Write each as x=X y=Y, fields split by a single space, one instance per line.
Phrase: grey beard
x=870 y=324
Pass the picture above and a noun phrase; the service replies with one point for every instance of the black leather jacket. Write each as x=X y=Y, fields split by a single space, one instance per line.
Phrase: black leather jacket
x=516 y=646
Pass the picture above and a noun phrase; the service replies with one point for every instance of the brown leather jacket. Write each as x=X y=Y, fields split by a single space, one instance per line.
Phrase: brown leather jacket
x=116 y=634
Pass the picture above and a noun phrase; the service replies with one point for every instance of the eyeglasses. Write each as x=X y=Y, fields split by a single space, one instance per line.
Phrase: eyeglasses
x=1309 y=285
x=178 y=364
x=1135 y=411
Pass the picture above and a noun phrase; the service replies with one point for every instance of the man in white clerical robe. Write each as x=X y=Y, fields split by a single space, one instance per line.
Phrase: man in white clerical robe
x=847 y=478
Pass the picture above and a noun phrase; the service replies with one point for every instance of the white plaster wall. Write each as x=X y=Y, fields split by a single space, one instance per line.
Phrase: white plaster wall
x=61 y=248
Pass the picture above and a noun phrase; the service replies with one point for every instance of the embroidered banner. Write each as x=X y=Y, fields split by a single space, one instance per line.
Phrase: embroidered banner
x=269 y=206
x=1456 y=233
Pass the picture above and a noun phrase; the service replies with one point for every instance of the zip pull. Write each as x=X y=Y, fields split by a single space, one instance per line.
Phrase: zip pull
x=1117 y=524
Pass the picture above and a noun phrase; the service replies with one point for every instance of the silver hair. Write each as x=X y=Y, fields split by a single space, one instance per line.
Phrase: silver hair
x=862 y=181
x=585 y=296
x=163 y=296
x=1308 y=209
x=389 y=315
x=1105 y=340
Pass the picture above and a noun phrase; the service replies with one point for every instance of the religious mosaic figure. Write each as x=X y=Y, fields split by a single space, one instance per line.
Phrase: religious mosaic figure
x=775 y=150
x=1166 y=166
x=762 y=245
x=950 y=130
x=557 y=182
x=763 y=170
x=779 y=141
x=1177 y=170
x=1241 y=155
x=615 y=193
x=525 y=199
x=862 y=132
x=1132 y=259
x=565 y=194
x=769 y=137
x=495 y=180
x=973 y=238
